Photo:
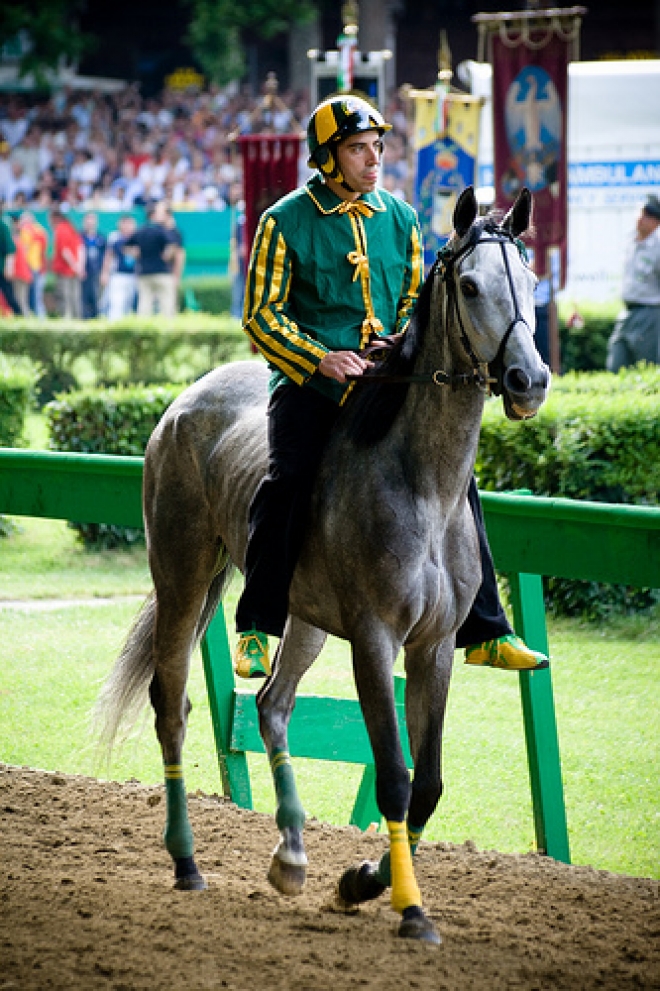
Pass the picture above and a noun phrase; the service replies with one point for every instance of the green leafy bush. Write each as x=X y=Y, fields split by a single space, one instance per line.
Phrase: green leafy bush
x=596 y=438
x=18 y=378
x=113 y=421
x=135 y=349
x=211 y=294
x=583 y=335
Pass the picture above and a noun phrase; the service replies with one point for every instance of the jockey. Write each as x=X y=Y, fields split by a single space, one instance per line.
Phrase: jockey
x=333 y=264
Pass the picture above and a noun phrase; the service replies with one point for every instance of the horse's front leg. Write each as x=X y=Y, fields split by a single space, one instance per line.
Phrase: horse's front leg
x=373 y=659
x=298 y=649
x=428 y=672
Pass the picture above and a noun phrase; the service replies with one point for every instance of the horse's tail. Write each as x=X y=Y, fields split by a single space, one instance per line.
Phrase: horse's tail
x=125 y=693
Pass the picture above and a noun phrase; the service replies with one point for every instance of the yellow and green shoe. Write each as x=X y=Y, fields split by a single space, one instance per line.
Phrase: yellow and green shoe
x=508 y=653
x=251 y=658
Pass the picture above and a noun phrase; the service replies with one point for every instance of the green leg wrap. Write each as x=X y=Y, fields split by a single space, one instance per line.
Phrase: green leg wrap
x=384 y=871
x=178 y=835
x=414 y=836
x=290 y=813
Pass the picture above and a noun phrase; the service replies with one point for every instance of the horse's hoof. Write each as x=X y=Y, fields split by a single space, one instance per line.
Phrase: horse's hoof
x=360 y=884
x=339 y=904
x=288 y=879
x=416 y=925
x=194 y=882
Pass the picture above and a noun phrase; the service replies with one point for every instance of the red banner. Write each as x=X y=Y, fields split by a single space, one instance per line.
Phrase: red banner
x=270 y=169
x=530 y=83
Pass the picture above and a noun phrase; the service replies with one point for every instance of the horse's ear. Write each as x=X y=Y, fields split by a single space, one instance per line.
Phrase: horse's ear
x=465 y=211
x=517 y=219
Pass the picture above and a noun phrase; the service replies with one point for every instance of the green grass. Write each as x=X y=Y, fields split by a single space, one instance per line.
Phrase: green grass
x=52 y=663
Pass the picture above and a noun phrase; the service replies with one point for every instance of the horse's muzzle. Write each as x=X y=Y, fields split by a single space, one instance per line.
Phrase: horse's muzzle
x=522 y=396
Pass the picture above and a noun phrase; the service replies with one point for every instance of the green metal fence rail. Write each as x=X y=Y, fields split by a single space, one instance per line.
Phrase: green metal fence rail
x=530 y=537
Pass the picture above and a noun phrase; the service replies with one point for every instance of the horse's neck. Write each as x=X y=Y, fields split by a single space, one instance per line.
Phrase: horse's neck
x=442 y=422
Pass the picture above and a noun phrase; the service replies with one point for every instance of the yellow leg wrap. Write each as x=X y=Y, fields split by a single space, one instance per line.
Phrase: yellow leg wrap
x=404 y=886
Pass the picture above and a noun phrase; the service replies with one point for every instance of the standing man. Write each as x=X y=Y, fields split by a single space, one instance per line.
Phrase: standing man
x=636 y=335
x=178 y=260
x=156 y=249
x=68 y=264
x=118 y=274
x=333 y=264
x=95 y=247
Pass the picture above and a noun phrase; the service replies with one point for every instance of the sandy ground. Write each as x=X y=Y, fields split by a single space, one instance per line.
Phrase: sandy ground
x=86 y=902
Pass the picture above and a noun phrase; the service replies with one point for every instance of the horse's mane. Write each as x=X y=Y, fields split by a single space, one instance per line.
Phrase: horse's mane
x=372 y=408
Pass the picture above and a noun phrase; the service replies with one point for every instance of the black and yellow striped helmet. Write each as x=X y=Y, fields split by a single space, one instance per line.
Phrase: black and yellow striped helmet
x=333 y=120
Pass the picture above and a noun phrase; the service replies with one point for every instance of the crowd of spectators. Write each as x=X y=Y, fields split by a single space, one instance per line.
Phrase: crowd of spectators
x=94 y=151
x=97 y=152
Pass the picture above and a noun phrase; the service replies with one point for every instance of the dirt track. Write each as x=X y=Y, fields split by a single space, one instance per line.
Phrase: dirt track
x=86 y=902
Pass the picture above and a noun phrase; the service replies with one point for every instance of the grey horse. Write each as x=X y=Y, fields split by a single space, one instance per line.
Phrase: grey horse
x=390 y=559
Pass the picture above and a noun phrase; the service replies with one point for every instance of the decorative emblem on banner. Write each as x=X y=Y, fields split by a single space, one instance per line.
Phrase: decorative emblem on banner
x=533 y=120
x=444 y=163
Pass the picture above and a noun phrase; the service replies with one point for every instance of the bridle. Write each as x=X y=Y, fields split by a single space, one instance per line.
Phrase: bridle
x=446 y=266
x=485 y=375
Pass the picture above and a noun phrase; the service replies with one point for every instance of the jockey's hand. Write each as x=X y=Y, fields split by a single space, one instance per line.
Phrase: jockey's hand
x=338 y=364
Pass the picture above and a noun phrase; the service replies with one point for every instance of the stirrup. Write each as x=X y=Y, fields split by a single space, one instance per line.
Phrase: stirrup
x=251 y=658
x=508 y=653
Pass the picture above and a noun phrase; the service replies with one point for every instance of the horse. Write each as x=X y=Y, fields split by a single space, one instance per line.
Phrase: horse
x=390 y=559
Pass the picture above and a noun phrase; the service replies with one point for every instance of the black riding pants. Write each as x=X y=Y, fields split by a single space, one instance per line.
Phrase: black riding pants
x=299 y=424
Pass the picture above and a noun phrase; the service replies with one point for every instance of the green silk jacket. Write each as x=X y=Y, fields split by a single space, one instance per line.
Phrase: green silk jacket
x=328 y=274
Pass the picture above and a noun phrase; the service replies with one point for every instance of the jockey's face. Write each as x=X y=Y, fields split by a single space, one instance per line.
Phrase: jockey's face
x=359 y=161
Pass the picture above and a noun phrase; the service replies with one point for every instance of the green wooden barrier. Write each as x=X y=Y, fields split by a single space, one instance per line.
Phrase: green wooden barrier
x=530 y=536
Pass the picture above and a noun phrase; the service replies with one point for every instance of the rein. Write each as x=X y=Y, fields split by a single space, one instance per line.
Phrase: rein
x=445 y=266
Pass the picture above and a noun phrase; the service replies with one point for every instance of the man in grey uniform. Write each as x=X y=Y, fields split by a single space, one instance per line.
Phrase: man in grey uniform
x=636 y=336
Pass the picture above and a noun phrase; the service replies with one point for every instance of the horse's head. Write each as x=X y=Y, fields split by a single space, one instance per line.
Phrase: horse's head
x=490 y=290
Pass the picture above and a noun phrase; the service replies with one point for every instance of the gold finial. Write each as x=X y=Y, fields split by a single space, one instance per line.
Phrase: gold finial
x=350 y=17
x=444 y=58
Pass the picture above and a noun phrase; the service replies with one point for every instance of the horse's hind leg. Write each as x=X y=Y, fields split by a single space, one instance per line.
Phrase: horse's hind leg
x=183 y=559
x=298 y=650
x=173 y=639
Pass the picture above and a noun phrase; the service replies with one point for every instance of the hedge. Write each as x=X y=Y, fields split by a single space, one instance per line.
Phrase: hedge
x=95 y=353
x=18 y=377
x=112 y=421
x=596 y=438
x=583 y=334
x=210 y=294
x=136 y=349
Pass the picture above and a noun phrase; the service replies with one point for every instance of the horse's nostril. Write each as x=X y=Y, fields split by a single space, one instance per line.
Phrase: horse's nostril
x=517 y=380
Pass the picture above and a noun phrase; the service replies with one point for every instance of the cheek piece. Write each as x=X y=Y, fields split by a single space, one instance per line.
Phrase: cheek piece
x=325 y=159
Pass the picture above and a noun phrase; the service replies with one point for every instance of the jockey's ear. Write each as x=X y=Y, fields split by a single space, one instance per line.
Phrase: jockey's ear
x=517 y=219
x=465 y=211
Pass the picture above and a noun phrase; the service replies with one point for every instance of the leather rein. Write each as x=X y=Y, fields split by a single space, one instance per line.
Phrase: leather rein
x=445 y=266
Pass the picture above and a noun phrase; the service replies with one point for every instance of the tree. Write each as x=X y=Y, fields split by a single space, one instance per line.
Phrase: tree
x=214 y=34
x=48 y=27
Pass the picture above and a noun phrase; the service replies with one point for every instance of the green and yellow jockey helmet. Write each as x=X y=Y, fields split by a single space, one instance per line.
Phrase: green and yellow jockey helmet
x=333 y=120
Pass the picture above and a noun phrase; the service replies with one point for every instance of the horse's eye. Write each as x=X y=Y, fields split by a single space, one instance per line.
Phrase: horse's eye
x=469 y=288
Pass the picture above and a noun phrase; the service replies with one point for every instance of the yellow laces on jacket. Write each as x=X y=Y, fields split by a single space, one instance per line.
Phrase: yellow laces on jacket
x=356 y=210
